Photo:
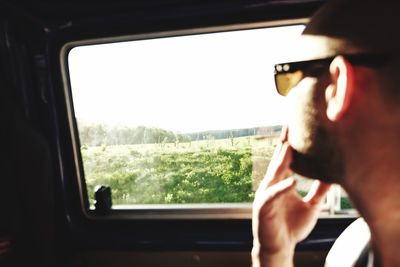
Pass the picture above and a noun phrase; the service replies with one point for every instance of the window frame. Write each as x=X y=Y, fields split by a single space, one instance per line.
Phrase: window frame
x=155 y=212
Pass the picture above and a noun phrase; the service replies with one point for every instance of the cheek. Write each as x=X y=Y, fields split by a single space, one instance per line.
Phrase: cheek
x=302 y=115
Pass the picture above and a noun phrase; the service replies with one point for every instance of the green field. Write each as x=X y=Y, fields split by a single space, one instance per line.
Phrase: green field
x=207 y=171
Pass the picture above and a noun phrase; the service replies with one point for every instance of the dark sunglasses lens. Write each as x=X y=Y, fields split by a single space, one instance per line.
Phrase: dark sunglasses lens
x=286 y=81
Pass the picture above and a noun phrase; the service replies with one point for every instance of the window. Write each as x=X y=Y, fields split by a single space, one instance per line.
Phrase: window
x=182 y=121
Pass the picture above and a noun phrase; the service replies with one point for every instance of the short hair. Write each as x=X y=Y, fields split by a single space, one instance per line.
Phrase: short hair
x=371 y=25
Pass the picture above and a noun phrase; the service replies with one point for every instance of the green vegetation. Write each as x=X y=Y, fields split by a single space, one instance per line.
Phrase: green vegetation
x=183 y=171
x=345 y=203
x=209 y=171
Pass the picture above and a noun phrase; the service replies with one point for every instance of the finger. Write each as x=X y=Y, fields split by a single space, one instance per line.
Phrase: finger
x=274 y=192
x=284 y=134
x=317 y=192
x=277 y=151
x=282 y=139
x=278 y=168
x=285 y=157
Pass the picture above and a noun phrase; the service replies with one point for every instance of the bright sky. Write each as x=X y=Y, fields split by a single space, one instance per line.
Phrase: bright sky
x=184 y=84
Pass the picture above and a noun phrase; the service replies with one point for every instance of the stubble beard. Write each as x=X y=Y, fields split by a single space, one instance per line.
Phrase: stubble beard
x=321 y=160
x=316 y=150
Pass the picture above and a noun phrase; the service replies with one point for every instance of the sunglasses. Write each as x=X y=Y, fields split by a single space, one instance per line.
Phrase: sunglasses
x=288 y=75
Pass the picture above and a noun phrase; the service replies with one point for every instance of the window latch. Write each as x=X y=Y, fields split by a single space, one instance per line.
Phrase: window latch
x=103 y=199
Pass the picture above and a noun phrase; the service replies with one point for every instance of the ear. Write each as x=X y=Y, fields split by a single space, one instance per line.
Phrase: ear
x=340 y=91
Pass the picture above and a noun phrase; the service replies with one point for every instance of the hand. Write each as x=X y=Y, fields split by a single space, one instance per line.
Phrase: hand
x=281 y=218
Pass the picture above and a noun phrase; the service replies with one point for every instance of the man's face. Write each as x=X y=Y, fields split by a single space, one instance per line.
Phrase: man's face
x=316 y=151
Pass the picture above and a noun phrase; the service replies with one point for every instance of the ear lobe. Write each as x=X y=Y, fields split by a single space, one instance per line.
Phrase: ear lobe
x=339 y=93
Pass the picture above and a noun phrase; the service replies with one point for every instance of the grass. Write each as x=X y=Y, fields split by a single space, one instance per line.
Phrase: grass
x=207 y=171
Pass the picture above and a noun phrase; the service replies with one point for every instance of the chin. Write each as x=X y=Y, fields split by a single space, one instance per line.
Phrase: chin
x=313 y=167
x=317 y=156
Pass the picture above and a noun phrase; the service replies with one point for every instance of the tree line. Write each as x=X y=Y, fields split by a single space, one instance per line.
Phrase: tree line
x=97 y=134
x=100 y=134
x=235 y=133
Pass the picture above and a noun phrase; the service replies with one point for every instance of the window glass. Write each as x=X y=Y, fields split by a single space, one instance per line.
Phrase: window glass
x=179 y=120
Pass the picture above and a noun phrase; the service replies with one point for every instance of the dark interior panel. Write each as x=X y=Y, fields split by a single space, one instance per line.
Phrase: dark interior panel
x=183 y=259
x=38 y=157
